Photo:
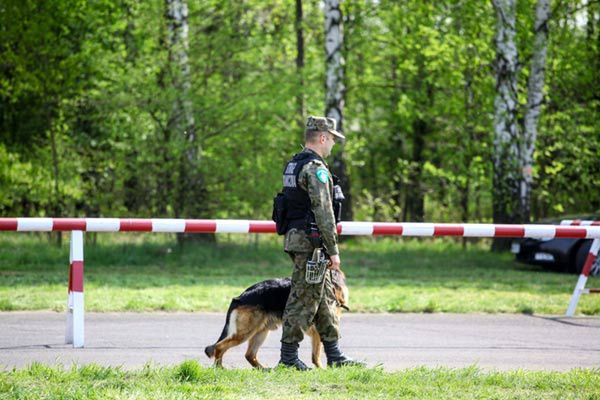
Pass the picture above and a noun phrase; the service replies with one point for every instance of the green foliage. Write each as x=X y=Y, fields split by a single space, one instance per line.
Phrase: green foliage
x=189 y=371
x=87 y=98
x=567 y=164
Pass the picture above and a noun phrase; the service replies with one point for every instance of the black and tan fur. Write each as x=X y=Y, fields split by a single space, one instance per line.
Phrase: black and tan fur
x=258 y=310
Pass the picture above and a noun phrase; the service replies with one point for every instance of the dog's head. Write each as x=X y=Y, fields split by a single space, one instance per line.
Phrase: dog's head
x=340 y=289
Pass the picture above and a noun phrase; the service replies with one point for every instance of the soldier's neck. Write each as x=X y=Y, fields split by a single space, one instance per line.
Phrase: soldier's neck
x=314 y=150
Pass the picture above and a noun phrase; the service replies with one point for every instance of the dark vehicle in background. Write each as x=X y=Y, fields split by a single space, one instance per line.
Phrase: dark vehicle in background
x=561 y=255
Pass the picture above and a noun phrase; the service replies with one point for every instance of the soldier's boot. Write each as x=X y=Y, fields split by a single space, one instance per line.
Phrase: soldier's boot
x=289 y=357
x=335 y=357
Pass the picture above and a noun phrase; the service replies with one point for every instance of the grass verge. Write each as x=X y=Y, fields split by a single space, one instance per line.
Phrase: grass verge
x=189 y=380
x=130 y=272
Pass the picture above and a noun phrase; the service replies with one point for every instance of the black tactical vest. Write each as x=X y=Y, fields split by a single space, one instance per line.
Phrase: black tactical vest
x=297 y=199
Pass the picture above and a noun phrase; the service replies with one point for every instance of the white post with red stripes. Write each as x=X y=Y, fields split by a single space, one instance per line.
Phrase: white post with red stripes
x=585 y=273
x=75 y=310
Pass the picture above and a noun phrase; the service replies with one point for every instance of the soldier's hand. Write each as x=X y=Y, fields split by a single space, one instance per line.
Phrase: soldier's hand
x=335 y=262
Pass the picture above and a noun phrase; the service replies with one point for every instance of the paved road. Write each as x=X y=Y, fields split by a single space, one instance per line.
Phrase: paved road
x=398 y=341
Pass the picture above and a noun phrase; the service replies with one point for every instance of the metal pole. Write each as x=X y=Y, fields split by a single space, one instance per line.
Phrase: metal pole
x=580 y=287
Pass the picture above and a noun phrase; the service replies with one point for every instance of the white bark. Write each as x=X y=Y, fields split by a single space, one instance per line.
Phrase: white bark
x=178 y=28
x=335 y=90
x=190 y=190
x=535 y=97
x=506 y=131
x=334 y=78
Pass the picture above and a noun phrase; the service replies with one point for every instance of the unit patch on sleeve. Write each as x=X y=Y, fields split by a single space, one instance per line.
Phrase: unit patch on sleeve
x=322 y=175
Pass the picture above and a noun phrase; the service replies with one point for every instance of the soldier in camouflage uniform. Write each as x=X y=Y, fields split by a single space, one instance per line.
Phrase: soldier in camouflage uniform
x=308 y=186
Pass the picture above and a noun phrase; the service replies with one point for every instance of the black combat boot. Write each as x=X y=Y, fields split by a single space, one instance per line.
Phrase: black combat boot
x=335 y=357
x=289 y=357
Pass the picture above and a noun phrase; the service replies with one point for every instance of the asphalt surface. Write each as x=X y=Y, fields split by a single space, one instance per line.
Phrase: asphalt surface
x=397 y=341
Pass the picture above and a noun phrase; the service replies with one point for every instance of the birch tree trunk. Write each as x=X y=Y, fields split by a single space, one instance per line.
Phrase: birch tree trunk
x=190 y=193
x=507 y=163
x=335 y=91
x=535 y=97
x=189 y=183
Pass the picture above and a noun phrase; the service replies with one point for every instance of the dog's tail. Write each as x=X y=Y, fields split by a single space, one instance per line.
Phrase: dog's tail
x=210 y=350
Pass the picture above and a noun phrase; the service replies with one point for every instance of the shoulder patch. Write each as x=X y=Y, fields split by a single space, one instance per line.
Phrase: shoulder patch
x=322 y=175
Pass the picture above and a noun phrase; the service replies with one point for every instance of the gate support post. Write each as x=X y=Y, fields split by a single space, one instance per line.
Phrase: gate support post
x=580 y=287
x=75 y=309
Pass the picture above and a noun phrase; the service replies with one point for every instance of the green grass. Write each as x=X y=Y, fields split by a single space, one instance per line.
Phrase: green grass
x=191 y=381
x=133 y=272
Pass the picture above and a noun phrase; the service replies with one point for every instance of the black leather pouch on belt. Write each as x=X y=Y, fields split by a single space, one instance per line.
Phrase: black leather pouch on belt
x=313 y=235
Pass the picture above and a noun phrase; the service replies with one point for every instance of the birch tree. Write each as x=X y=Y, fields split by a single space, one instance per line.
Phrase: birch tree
x=335 y=90
x=535 y=98
x=507 y=172
x=182 y=124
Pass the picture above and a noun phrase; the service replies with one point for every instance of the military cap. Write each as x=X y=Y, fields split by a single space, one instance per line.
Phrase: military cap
x=323 y=124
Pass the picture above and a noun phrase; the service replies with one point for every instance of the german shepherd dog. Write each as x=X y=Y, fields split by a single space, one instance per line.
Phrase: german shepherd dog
x=258 y=310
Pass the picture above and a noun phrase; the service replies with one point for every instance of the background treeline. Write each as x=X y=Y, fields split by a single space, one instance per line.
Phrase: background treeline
x=106 y=109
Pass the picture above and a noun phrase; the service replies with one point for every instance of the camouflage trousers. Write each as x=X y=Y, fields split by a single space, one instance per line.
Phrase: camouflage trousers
x=308 y=304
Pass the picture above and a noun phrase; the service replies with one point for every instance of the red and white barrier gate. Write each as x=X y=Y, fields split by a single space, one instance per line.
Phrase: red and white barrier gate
x=75 y=309
x=587 y=267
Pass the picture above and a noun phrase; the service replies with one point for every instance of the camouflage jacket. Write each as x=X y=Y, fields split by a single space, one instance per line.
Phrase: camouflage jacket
x=316 y=179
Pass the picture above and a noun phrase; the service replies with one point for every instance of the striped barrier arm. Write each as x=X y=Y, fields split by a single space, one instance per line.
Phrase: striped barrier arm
x=75 y=304
x=578 y=222
x=591 y=231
